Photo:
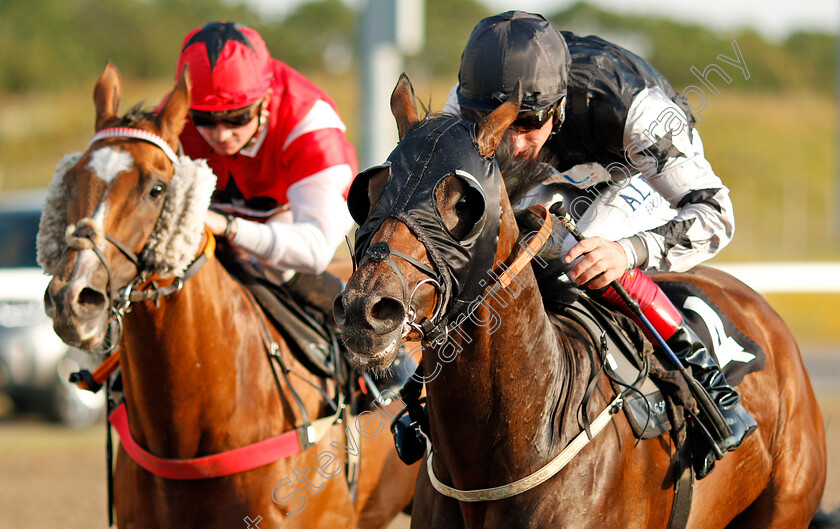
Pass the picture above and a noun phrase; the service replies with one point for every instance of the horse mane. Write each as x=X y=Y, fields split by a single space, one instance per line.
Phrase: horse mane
x=520 y=176
x=136 y=115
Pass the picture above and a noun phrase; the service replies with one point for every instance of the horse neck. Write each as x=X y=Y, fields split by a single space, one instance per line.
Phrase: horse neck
x=507 y=390
x=195 y=361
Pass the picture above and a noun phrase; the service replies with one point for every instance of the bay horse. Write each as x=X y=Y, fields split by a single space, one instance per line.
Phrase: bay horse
x=197 y=376
x=504 y=394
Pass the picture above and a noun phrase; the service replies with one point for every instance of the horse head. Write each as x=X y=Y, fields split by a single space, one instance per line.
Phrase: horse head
x=101 y=227
x=432 y=220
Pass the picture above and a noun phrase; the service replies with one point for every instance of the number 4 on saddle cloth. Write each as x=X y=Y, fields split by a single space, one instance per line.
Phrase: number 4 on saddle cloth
x=654 y=393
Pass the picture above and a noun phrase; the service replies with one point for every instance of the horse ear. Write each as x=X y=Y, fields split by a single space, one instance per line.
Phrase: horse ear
x=106 y=95
x=172 y=117
x=403 y=105
x=490 y=130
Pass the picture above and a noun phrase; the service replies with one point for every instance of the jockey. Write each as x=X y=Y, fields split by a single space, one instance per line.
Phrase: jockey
x=277 y=146
x=624 y=156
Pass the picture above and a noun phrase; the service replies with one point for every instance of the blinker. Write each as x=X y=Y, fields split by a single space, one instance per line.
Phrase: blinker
x=357 y=198
x=421 y=161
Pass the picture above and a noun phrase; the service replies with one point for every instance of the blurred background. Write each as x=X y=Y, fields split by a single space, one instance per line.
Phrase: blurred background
x=771 y=134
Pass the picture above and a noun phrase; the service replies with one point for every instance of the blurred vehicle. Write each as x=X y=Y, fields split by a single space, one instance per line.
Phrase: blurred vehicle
x=34 y=362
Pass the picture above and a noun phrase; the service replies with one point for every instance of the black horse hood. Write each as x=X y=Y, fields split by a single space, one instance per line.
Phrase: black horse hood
x=432 y=151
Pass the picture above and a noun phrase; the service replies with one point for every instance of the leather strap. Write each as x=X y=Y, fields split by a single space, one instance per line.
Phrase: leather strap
x=225 y=463
x=533 y=480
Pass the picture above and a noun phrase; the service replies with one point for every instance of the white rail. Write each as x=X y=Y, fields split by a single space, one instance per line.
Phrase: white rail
x=812 y=277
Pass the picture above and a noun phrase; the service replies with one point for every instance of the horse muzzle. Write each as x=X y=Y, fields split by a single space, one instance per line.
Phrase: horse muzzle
x=373 y=327
x=80 y=312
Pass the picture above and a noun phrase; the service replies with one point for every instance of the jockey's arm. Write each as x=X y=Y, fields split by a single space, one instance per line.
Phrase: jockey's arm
x=305 y=237
x=317 y=157
x=671 y=159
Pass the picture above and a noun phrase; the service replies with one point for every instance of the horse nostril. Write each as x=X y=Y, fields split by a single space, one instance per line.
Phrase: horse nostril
x=387 y=312
x=338 y=310
x=90 y=299
x=49 y=304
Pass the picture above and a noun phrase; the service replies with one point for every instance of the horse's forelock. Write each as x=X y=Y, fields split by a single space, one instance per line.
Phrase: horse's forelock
x=429 y=116
x=136 y=115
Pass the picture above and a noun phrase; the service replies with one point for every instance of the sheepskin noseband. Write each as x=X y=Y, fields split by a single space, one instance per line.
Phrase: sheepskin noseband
x=177 y=234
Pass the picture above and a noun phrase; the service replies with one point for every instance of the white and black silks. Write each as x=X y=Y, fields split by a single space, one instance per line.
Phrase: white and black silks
x=411 y=197
x=604 y=80
x=630 y=148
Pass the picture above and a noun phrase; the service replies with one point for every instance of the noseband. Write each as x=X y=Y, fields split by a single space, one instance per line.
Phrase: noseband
x=381 y=251
x=435 y=330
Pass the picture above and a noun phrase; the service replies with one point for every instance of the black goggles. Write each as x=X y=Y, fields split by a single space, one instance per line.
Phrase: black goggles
x=525 y=121
x=238 y=117
x=533 y=120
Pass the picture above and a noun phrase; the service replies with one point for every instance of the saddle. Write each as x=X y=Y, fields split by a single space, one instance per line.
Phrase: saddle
x=302 y=323
x=655 y=394
x=656 y=397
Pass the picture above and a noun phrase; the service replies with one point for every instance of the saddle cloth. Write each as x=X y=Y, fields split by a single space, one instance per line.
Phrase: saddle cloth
x=630 y=360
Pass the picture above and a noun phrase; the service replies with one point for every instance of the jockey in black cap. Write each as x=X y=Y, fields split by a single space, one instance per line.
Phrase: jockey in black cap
x=621 y=151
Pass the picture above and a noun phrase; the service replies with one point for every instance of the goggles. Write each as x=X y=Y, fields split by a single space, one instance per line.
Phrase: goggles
x=238 y=117
x=528 y=121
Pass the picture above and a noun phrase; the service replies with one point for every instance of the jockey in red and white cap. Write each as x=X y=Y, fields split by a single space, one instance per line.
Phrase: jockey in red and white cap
x=277 y=145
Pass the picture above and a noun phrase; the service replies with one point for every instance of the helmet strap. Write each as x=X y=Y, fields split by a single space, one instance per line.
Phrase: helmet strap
x=262 y=120
x=559 y=115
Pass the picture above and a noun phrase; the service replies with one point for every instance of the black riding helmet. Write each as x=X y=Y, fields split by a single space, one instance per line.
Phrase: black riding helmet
x=507 y=48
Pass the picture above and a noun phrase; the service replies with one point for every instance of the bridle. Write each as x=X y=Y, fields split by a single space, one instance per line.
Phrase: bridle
x=442 y=329
x=435 y=330
x=381 y=251
x=88 y=234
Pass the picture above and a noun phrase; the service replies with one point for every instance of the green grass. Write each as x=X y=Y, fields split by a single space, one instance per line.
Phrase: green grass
x=778 y=155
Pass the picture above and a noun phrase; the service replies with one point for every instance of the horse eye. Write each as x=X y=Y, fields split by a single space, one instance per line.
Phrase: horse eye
x=461 y=205
x=464 y=218
x=157 y=189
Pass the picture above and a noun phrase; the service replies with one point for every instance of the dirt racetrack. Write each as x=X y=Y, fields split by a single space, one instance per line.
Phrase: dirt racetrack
x=54 y=477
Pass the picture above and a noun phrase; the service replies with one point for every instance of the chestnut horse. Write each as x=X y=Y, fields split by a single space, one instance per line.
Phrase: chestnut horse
x=196 y=374
x=504 y=391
